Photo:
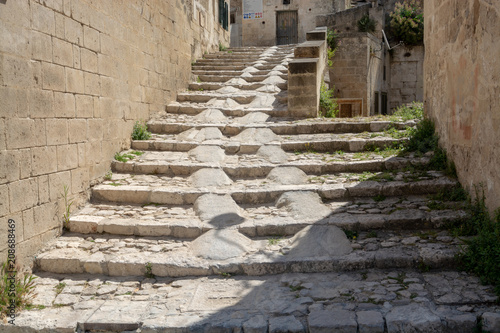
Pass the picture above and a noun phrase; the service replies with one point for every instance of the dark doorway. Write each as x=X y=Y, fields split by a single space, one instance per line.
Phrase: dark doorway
x=384 y=103
x=287 y=27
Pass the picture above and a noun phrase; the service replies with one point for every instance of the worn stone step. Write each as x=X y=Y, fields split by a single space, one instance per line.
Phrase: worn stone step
x=177 y=123
x=202 y=86
x=440 y=301
x=229 y=110
x=263 y=220
x=260 y=164
x=125 y=256
x=214 y=66
x=144 y=189
x=245 y=56
x=250 y=142
x=237 y=73
x=203 y=97
x=250 y=79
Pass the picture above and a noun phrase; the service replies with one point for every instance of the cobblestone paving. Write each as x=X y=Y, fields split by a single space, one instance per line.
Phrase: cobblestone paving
x=236 y=217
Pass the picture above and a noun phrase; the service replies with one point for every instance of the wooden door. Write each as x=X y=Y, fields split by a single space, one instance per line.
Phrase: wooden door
x=287 y=26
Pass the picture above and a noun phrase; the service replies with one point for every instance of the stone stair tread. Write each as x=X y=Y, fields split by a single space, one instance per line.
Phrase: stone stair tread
x=176 y=123
x=125 y=256
x=288 y=142
x=127 y=188
x=444 y=298
x=258 y=165
x=182 y=222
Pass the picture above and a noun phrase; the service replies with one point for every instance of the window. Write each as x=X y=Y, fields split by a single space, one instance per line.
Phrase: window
x=286 y=2
x=377 y=110
x=233 y=19
x=223 y=14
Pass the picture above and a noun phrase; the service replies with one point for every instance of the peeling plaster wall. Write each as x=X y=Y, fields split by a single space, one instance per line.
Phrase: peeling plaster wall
x=462 y=87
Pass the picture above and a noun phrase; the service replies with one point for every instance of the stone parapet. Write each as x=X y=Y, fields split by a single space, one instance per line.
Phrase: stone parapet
x=305 y=74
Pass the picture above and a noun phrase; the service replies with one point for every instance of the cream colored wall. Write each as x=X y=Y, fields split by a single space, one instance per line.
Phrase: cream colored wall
x=262 y=32
x=74 y=77
x=462 y=90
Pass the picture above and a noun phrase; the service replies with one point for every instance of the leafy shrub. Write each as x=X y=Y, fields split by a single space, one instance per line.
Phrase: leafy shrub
x=328 y=104
x=18 y=291
x=482 y=255
x=333 y=44
x=422 y=138
x=366 y=24
x=140 y=131
x=407 y=22
x=414 y=110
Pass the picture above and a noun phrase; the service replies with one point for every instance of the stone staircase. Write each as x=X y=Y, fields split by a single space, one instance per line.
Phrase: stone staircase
x=237 y=217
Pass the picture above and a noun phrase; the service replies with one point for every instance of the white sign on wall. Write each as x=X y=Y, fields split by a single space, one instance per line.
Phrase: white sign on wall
x=252 y=9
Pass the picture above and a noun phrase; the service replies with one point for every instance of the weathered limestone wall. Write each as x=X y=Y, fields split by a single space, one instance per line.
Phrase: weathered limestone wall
x=407 y=76
x=74 y=77
x=462 y=90
x=350 y=71
x=344 y=21
x=262 y=32
x=305 y=75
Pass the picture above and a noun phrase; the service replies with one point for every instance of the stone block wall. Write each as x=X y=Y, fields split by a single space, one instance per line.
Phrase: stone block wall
x=462 y=90
x=305 y=75
x=407 y=76
x=74 y=77
x=349 y=72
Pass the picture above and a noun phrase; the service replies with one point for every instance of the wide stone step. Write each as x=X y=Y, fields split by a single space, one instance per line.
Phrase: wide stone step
x=202 y=86
x=402 y=299
x=251 y=79
x=263 y=220
x=177 y=123
x=122 y=256
x=229 y=109
x=372 y=164
x=186 y=190
x=252 y=139
x=212 y=66
x=203 y=97
x=236 y=73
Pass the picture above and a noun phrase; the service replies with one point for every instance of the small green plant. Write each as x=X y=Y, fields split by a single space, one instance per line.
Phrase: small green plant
x=59 y=287
x=296 y=288
x=198 y=79
x=125 y=157
x=67 y=207
x=274 y=240
x=407 y=22
x=379 y=198
x=328 y=104
x=15 y=288
x=457 y=193
x=414 y=110
x=108 y=175
x=222 y=47
x=371 y=234
x=140 y=131
x=149 y=271
x=423 y=267
x=367 y=24
x=226 y=275
x=352 y=235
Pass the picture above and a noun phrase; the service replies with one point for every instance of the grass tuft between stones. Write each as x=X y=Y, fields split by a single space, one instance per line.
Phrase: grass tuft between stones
x=16 y=290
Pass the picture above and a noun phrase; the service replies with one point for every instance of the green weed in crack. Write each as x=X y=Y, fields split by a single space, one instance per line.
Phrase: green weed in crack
x=23 y=286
